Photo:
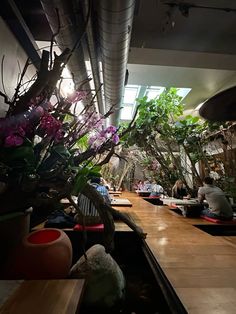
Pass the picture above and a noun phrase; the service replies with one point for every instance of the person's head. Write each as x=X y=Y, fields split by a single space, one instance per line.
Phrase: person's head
x=208 y=180
x=95 y=180
x=103 y=181
x=179 y=184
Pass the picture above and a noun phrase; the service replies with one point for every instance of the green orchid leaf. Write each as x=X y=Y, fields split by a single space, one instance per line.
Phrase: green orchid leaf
x=83 y=175
x=18 y=157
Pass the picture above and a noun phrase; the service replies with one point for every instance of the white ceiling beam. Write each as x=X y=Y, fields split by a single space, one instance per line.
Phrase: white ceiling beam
x=203 y=82
x=181 y=58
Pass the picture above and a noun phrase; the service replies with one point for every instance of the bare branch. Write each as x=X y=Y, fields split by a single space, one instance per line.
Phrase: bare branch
x=126 y=219
x=6 y=100
x=53 y=36
x=131 y=124
x=108 y=157
x=45 y=82
x=109 y=228
x=2 y=74
x=16 y=94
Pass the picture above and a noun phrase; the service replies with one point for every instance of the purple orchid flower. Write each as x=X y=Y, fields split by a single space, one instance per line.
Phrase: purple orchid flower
x=50 y=125
x=116 y=138
x=13 y=140
x=77 y=96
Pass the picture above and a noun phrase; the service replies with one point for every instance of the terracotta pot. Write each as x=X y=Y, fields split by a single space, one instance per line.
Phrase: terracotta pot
x=43 y=254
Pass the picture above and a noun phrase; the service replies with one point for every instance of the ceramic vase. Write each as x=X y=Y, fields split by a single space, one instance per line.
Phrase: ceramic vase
x=43 y=254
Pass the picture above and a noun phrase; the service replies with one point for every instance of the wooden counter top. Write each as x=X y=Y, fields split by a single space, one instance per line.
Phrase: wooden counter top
x=200 y=267
x=45 y=296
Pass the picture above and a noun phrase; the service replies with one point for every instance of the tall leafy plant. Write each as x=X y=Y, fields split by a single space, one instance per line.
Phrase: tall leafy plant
x=175 y=141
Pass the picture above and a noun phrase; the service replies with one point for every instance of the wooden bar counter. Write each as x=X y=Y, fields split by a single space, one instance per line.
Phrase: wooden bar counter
x=46 y=297
x=200 y=267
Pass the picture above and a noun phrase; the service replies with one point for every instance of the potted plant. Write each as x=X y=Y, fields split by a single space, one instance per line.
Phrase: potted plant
x=47 y=151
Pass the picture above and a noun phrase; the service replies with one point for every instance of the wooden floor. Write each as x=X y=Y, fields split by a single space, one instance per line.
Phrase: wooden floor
x=200 y=267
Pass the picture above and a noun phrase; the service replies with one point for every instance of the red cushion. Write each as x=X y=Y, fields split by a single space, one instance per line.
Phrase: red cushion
x=154 y=197
x=218 y=221
x=98 y=227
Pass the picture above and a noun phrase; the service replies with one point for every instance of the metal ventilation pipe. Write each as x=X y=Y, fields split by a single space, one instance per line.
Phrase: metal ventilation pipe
x=93 y=56
x=115 y=20
x=68 y=35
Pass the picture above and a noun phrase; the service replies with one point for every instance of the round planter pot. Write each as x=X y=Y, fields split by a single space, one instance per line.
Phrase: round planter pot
x=43 y=254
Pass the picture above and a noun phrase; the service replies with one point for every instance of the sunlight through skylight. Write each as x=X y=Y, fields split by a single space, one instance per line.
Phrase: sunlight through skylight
x=132 y=92
x=154 y=92
x=130 y=95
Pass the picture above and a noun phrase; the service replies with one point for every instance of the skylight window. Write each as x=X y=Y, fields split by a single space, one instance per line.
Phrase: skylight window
x=183 y=92
x=154 y=92
x=127 y=112
x=130 y=95
x=132 y=92
x=129 y=101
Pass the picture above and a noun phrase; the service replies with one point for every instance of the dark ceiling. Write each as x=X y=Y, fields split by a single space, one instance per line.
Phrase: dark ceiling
x=174 y=34
x=160 y=26
x=206 y=30
x=35 y=19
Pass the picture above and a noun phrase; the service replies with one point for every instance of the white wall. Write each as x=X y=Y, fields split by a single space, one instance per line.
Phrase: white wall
x=14 y=61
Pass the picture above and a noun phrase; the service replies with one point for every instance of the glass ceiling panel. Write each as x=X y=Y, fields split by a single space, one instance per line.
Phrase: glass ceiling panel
x=132 y=92
x=127 y=112
x=152 y=93
x=183 y=92
x=130 y=95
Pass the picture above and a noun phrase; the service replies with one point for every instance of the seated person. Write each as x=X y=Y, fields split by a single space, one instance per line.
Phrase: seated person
x=179 y=190
x=105 y=183
x=137 y=184
x=87 y=207
x=219 y=207
x=140 y=185
x=147 y=186
x=156 y=189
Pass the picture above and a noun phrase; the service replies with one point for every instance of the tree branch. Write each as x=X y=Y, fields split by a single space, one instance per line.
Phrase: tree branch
x=6 y=99
x=106 y=213
x=108 y=157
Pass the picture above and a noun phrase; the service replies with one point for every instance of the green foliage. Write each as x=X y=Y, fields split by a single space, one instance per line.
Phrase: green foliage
x=83 y=175
x=155 y=116
x=159 y=110
x=161 y=127
x=82 y=143
x=20 y=159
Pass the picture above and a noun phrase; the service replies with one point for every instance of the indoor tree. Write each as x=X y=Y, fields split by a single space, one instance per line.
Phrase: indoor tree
x=163 y=133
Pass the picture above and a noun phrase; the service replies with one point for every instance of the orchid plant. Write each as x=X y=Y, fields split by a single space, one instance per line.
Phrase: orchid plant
x=47 y=150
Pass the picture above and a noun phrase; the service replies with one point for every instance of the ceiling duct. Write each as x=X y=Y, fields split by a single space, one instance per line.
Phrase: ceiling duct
x=69 y=33
x=115 y=20
x=93 y=55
